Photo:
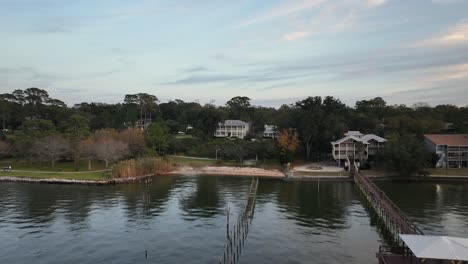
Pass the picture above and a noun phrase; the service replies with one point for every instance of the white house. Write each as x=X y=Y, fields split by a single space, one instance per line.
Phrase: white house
x=451 y=149
x=357 y=145
x=232 y=128
x=269 y=131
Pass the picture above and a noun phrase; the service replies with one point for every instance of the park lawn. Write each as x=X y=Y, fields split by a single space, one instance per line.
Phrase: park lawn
x=81 y=166
x=449 y=172
x=67 y=176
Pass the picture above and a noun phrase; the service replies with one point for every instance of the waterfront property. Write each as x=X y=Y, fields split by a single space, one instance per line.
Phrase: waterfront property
x=269 y=131
x=451 y=149
x=357 y=145
x=232 y=129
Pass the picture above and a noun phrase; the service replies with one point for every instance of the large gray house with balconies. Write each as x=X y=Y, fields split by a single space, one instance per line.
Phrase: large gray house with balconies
x=356 y=145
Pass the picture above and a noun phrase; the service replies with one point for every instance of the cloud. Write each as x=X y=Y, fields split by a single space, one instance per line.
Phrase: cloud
x=195 y=69
x=445 y=1
x=456 y=35
x=296 y=35
x=285 y=9
x=376 y=2
x=333 y=17
x=447 y=74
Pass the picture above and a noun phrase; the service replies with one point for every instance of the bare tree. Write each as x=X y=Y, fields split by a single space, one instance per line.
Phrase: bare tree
x=4 y=148
x=85 y=150
x=110 y=150
x=135 y=138
x=51 y=148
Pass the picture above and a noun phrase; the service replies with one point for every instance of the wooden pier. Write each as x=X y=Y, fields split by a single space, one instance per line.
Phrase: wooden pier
x=395 y=221
x=392 y=218
x=236 y=236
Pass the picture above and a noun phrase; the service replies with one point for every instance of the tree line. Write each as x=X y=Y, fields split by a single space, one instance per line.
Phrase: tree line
x=31 y=114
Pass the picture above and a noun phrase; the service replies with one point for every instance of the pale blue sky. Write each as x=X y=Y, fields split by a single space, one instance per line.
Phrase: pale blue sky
x=275 y=51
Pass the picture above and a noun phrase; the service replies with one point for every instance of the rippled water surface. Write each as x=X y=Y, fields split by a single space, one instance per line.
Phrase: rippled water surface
x=182 y=220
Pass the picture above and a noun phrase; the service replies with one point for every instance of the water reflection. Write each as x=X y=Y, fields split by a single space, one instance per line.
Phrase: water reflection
x=437 y=208
x=295 y=222
x=202 y=199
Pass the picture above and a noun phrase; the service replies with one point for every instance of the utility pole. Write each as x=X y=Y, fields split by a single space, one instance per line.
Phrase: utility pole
x=217 y=153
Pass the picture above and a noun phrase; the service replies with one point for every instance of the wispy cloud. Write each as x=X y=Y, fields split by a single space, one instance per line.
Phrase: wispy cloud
x=445 y=1
x=196 y=69
x=333 y=17
x=447 y=74
x=282 y=10
x=454 y=36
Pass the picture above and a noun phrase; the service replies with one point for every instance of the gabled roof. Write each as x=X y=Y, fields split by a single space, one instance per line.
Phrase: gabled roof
x=374 y=137
x=339 y=141
x=364 y=138
x=354 y=133
x=448 y=139
x=233 y=123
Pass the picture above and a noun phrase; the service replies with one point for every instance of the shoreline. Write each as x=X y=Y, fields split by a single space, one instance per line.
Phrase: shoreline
x=140 y=179
x=228 y=171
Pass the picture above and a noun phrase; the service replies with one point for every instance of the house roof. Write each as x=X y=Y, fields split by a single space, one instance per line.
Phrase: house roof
x=339 y=141
x=269 y=129
x=437 y=247
x=374 y=137
x=354 y=133
x=448 y=139
x=364 y=138
x=233 y=123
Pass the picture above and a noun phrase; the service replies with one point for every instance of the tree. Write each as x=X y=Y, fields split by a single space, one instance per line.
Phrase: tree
x=51 y=148
x=208 y=118
x=406 y=155
x=4 y=148
x=372 y=108
x=36 y=128
x=109 y=150
x=36 y=96
x=76 y=127
x=287 y=144
x=239 y=108
x=85 y=150
x=318 y=121
x=236 y=148
x=135 y=139
x=157 y=135
x=146 y=102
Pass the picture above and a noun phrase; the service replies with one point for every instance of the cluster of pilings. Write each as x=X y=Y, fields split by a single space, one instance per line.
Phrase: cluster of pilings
x=394 y=220
x=236 y=236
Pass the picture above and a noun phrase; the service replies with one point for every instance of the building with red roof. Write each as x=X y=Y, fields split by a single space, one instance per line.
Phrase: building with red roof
x=452 y=149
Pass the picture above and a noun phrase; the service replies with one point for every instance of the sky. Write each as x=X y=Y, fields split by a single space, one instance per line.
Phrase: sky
x=275 y=52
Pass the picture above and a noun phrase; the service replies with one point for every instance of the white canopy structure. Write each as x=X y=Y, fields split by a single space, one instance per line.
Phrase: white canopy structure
x=437 y=247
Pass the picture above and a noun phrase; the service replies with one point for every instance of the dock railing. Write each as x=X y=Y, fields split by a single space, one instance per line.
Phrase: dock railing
x=395 y=220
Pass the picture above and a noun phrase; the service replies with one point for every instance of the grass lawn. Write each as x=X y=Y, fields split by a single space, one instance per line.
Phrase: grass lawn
x=449 y=172
x=184 y=136
x=62 y=170
x=194 y=162
x=81 y=166
x=68 y=176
